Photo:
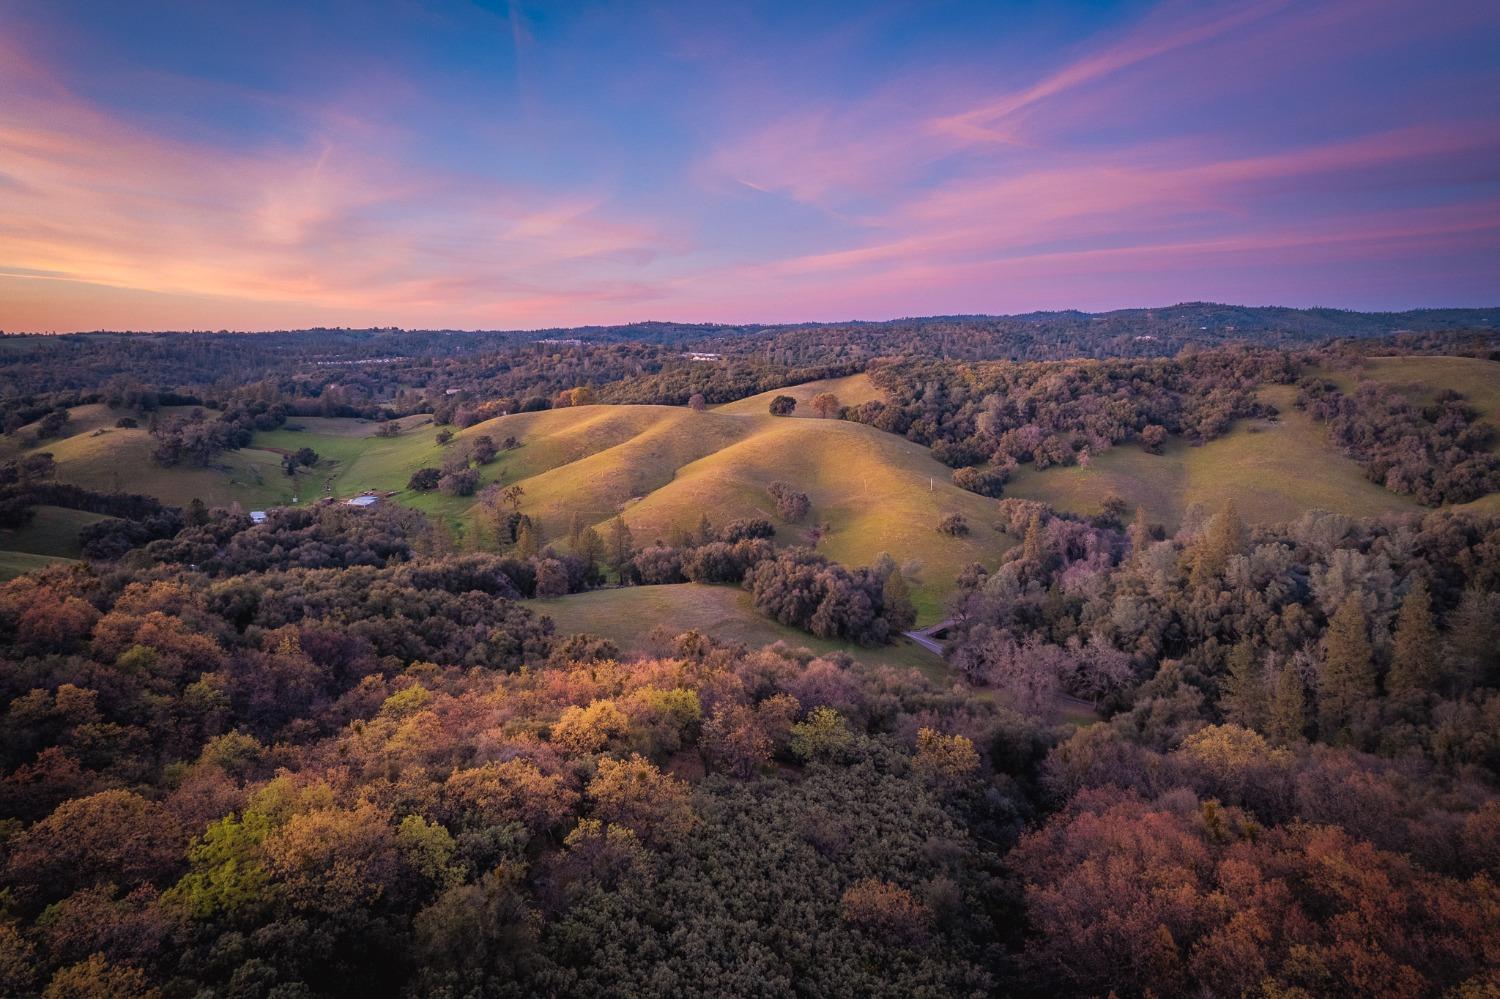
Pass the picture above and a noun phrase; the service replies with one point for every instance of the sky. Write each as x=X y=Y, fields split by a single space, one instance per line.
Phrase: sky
x=273 y=165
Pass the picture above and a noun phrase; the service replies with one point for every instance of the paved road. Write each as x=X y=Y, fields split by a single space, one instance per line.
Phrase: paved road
x=923 y=636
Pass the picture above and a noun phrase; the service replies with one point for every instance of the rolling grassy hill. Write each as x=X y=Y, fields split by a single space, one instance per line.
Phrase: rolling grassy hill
x=627 y=616
x=665 y=466
x=52 y=530
x=13 y=564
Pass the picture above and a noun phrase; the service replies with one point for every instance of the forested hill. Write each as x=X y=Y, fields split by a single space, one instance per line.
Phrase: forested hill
x=532 y=361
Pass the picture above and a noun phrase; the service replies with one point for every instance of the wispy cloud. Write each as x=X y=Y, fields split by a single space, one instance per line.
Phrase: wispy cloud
x=1171 y=157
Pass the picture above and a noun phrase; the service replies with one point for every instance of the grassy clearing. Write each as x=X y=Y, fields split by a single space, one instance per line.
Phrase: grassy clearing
x=627 y=616
x=13 y=564
x=52 y=530
x=1274 y=470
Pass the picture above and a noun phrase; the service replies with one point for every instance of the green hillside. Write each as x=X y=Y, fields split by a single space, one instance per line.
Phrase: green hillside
x=52 y=530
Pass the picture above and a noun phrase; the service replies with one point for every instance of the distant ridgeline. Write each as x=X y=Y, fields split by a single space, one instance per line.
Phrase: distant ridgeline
x=379 y=364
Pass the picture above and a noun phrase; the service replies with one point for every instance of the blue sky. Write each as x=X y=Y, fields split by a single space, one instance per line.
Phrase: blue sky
x=177 y=165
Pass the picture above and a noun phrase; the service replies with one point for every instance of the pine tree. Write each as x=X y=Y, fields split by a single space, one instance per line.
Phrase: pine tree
x=1473 y=650
x=705 y=530
x=528 y=539
x=896 y=597
x=591 y=547
x=575 y=530
x=1414 y=664
x=1346 y=684
x=1244 y=699
x=1288 y=717
x=1033 y=547
x=621 y=547
x=1140 y=534
x=1224 y=539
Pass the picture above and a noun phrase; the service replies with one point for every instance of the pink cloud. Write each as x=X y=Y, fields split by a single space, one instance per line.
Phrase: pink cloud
x=324 y=224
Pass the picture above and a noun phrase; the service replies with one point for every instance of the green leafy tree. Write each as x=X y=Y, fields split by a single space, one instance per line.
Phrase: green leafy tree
x=822 y=735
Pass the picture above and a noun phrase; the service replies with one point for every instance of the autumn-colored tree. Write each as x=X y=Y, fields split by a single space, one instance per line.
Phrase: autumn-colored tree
x=590 y=729
x=1224 y=539
x=633 y=793
x=1346 y=682
x=885 y=910
x=697 y=403
x=1034 y=545
x=826 y=405
x=734 y=741
x=528 y=542
x=822 y=735
x=946 y=760
x=97 y=978
x=511 y=791
x=333 y=860
x=115 y=835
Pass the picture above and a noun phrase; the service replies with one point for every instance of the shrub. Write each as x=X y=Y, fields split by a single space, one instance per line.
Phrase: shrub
x=984 y=481
x=953 y=525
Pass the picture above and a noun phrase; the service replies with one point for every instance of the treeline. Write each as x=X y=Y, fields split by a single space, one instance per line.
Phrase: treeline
x=1058 y=413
